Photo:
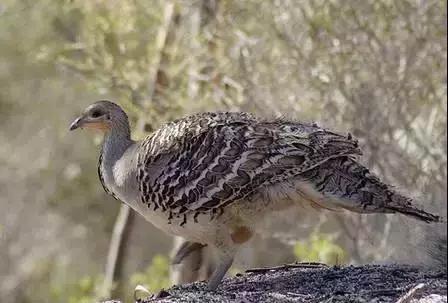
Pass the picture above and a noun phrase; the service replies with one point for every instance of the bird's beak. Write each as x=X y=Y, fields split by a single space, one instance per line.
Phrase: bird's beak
x=77 y=123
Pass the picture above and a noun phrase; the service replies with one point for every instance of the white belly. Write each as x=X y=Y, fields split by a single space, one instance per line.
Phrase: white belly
x=203 y=231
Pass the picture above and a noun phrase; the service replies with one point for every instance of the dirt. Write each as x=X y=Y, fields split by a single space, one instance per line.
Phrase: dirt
x=313 y=283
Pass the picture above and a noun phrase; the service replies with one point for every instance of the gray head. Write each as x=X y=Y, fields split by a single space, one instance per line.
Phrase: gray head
x=104 y=116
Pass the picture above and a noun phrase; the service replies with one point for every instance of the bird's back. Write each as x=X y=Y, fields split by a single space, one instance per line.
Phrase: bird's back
x=207 y=161
x=172 y=135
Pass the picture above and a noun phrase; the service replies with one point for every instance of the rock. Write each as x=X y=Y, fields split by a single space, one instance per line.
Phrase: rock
x=295 y=283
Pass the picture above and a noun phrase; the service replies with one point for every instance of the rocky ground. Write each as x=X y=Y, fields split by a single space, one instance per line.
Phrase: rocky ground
x=318 y=283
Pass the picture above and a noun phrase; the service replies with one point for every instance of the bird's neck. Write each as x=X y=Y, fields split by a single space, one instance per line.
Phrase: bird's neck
x=116 y=142
x=117 y=169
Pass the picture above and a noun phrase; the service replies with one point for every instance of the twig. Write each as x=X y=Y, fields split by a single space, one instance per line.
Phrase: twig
x=115 y=246
x=287 y=266
x=406 y=298
x=160 y=43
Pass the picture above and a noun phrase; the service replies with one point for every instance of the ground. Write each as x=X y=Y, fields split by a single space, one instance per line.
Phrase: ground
x=314 y=283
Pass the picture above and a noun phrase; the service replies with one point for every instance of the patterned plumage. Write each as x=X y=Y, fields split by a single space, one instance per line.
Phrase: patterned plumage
x=207 y=161
x=210 y=177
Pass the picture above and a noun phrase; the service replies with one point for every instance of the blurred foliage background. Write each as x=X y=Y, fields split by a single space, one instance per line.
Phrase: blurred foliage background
x=376 y=68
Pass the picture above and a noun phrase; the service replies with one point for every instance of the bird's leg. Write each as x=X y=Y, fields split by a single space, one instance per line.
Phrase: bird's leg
x=185 y=250
x=223 y=266
x=190 y=265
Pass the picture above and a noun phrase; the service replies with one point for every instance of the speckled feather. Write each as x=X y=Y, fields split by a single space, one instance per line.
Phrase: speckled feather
x=207 y=161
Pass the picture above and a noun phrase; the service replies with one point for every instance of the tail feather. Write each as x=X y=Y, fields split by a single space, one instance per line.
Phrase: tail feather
x=347 y=184
x=417 y=214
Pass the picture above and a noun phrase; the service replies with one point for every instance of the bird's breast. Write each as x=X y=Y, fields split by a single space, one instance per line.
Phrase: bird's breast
x=203 y=230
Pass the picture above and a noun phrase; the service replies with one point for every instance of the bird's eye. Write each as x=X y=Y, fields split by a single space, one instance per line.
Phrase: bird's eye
x=95 y=114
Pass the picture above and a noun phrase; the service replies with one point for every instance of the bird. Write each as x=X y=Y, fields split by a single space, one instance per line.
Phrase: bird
x=212 y=177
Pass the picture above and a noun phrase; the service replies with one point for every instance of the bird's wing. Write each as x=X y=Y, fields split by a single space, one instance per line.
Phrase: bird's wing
x=215 y=165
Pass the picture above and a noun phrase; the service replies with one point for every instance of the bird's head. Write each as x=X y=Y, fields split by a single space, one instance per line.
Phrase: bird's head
x=102 y=116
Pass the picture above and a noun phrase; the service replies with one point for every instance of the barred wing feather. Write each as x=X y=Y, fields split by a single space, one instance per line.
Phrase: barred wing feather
x=209 y=161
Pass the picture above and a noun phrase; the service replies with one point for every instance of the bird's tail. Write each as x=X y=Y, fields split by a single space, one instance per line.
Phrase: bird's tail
x=343 y=182
x=415 y=212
